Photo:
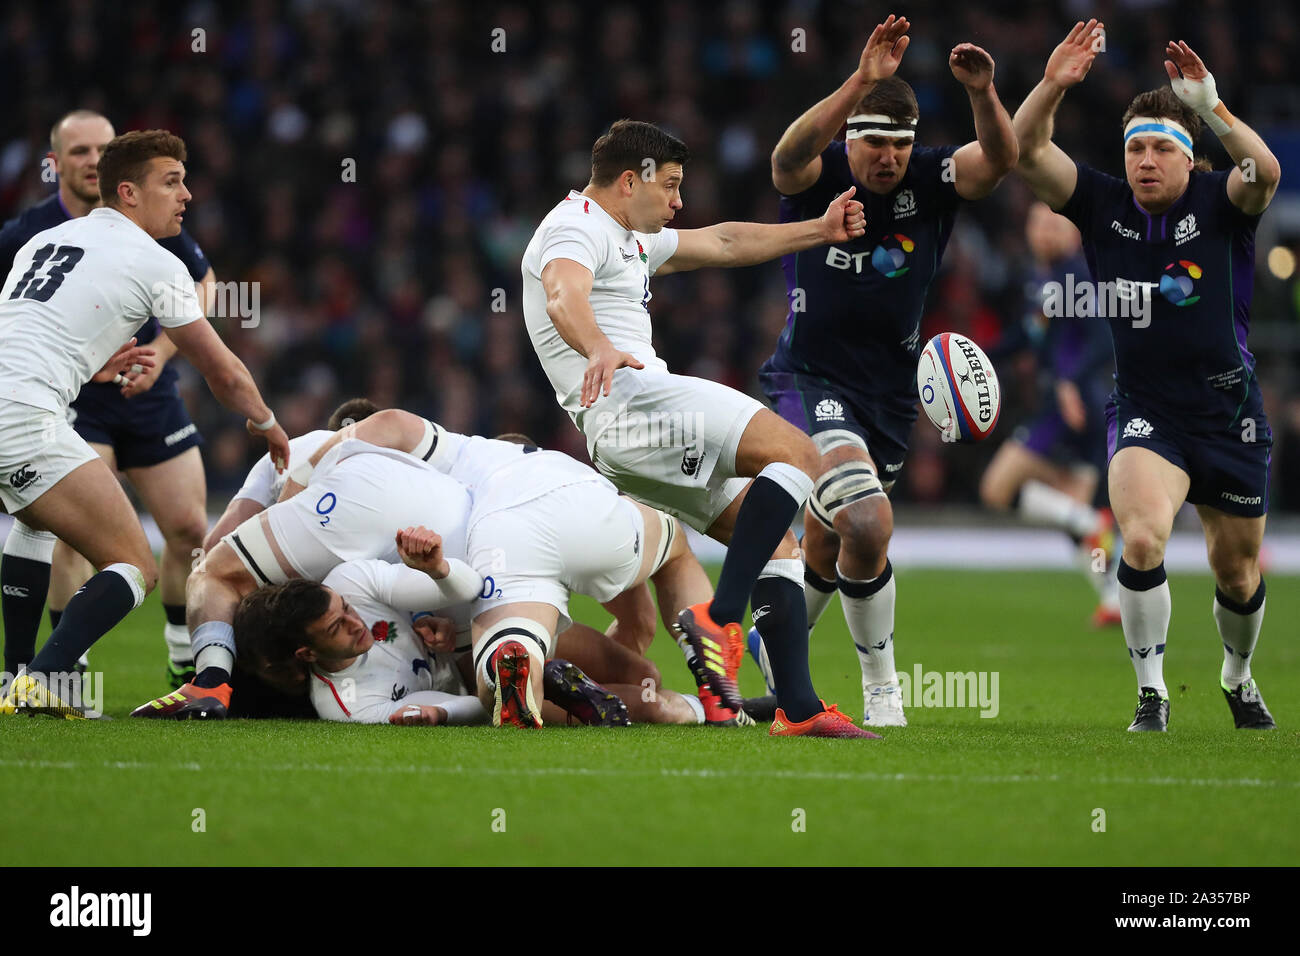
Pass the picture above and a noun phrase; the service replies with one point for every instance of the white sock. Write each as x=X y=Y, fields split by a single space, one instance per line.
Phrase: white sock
x=817 y=594
x=1103 y=582
x=177 y=637
x=1145 y=609
x=696 y=707
x=1042 y=504
x=869 y=611
x=1239 y=628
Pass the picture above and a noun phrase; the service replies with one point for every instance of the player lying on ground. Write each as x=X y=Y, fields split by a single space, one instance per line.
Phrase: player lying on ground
x=1048 y=469
x=75 y=294
x=844 y=369
x=685 y=446
x=355 y=498
x=543 y=525
x=1186 y=420
x=634 y=622
x=357 y=642
x=140 y=426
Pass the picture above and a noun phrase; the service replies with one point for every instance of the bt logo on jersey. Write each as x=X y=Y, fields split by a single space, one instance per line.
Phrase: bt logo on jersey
x=1179 y=281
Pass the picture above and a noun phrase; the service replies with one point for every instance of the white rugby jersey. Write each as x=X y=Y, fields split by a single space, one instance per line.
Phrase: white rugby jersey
x=264 y=483
x=398 y=664
x=75 y=295
x=504 y=473
x=621 y=263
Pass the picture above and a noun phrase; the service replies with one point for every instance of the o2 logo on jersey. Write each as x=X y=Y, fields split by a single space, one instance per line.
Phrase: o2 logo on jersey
x=325 y=506
x=889 y=256
x=1179 y=281
x=490 y=589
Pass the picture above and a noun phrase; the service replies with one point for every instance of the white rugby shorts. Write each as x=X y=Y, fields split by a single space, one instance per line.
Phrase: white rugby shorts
x=38 y=448
x=581 y=537
x=670 y=441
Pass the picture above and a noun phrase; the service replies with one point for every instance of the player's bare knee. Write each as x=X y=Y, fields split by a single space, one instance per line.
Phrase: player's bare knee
x=187 y=535
x=1144 y=548
x=994 y=492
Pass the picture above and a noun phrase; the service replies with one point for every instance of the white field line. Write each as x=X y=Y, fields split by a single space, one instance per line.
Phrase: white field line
x=666 y=772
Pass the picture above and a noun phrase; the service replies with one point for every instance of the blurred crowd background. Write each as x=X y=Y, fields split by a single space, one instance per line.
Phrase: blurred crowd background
x=384 y=283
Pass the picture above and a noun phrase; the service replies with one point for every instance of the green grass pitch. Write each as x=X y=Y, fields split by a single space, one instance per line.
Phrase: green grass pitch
x=1029 y=786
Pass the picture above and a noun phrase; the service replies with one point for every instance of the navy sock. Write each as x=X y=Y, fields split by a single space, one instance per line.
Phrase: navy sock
x=764 y=518
x=211 y=677
x=175 y=613
x=784 y=630
x=26 y=582
x=93 y=611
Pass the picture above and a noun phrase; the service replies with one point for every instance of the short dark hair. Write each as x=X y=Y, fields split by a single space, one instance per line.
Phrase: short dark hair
x=126 y=158
x=891 y=97
x=627 y=145
x=518 y=438
x=352 y=411
x=271 y=624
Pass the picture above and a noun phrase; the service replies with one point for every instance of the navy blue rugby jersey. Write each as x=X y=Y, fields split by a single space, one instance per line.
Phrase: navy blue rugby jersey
x=51 y=212
x=855 y=308
x=1194 y=264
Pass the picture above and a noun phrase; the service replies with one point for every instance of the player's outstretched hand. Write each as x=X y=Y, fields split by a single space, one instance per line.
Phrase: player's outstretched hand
x=1195 y=87
x=603 y=361
x=437 y=633
x=421 y=549
x=1071 y=60
x=972 y=66
x=884 y=50
x=844 y=218
x=121 y=361
x=413 y=715
x=277 y=444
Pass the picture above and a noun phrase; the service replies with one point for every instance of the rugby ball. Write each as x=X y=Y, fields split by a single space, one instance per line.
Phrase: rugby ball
x=958 y=388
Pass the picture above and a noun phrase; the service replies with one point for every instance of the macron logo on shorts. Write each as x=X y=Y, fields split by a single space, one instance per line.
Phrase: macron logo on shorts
x=180 y=434
x=1137 y=428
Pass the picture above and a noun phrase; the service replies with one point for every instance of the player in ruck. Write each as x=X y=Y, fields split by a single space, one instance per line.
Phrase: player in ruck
x=141 y=427
x=683 y=445
x=844 y=369
x=1049 y=468
x=75 y=295
x=1186 y=420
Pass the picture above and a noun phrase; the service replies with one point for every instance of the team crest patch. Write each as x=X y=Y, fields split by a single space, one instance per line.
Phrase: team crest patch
x=383 y=632
x=1137 y=428
x=904 y=204
x=829 y=410
x=641 y=252
x=1186 y=229
x=23 y=477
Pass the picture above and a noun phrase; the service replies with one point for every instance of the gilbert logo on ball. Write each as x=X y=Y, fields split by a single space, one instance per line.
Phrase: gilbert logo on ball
x=958 y=388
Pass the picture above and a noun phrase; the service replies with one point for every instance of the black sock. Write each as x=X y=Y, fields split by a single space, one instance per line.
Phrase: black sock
x=211 y=677
x=26 y=582
x=93 y=611
x=784 y=630
x=175 y=613
x=55 y=617
x=764 y=518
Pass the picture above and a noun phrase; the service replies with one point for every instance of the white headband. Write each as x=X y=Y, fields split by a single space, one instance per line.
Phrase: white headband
x=877 y=124
x=1163 y=128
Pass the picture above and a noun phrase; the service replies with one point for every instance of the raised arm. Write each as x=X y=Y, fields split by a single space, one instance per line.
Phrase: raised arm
x=749 y=243
x=1049 y=172
x=981 y=165
x=1254 y=178
x=797 y=161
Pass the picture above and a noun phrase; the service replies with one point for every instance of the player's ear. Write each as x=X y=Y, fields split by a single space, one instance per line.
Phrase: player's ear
x=305 y=654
